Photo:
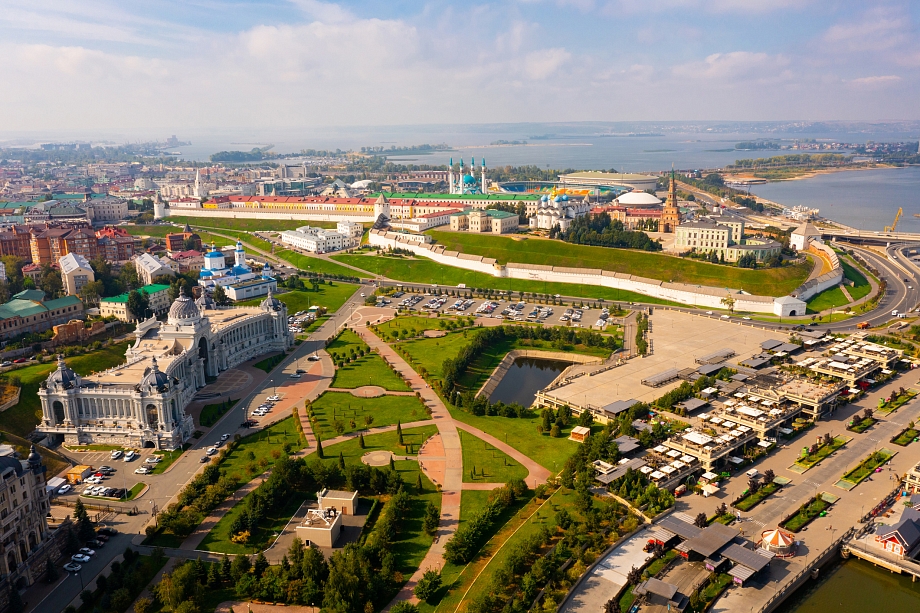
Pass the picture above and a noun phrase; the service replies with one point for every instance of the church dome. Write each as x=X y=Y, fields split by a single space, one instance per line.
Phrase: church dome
x=35 y=460
x=183 y=310
x=63 y=376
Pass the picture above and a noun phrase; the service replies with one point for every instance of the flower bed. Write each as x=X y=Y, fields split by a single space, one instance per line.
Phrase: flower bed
x=861 y=426
x=807 y=513
x=752 y=500
x=897 y=402
x=867 y=466
x=823 y=451
x=906 y=437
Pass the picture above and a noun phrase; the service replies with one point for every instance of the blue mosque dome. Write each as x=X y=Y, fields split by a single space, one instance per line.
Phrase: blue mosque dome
x=469 y=180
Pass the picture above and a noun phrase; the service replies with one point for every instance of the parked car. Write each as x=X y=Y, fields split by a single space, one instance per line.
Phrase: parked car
x=274 y=398
x=6 y=363
x=204 y=459
x=72 y=568
x=94 y=544
x=116 y=453
x=87 y=551
x=154 y=459
x=101 y=537
x=20 y=361
x=300 y=371
x=79 y=557
x=130 y=455
x=107 y=531
x=143 y=470
x=212 y=450
x=313 y=358
x=224 y=437
x=106 y=469
x=295 y=376
x=64 y=488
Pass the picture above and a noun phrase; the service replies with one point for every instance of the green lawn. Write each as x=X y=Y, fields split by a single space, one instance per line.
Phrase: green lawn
x=340 y=412
x=247 y=225
x=807 y=513
x=330 y=296
x=264 y=446
x=490 y=464
x=22 y=418
x=318 y=265
x=868 y=466
x=270 y=362
x=522 y=434
x=752 y=500
x=898 y=402
x=862 y=425
x=218 y=539
x=472 y=502
x=860 y=286
x=766 y=281
x=415 y=325
x=906 y=437
x=823 y=451
x=430 y=353
x=423 y=270
x=828 y=299
x=369 y=370
x=168 y=458
x=210 y=413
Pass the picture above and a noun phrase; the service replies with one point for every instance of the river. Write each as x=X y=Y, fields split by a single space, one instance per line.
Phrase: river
x=855 y=586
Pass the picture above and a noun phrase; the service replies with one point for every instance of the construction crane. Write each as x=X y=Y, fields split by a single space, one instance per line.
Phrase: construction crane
x=894 y=224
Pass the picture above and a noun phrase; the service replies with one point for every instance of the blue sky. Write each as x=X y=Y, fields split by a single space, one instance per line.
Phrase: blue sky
x=214 y=64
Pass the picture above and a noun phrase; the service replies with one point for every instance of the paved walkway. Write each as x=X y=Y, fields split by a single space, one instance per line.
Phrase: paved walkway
x=453 y=471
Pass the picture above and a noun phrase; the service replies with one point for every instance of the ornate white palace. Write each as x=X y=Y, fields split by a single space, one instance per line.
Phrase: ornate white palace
x=142 y=402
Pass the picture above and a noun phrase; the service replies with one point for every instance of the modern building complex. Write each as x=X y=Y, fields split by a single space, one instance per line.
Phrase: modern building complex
x=117 y=306
x=496 y=222
x=318 y=240
x=604 y=179
x=28 y=311
x=142 y=403
x=75 y=273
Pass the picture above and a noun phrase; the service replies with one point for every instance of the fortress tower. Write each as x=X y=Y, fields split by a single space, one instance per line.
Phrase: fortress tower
x=670 y=215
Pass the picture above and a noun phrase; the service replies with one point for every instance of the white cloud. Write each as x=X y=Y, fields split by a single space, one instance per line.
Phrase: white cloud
x=545 y=63
x=876 y=81
x=736 y=65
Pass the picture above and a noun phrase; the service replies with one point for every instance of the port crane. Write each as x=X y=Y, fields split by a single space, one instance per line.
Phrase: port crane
x=894 y=224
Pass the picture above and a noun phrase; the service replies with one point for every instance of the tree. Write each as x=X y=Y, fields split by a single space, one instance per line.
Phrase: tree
x=341 y=461
x=261 y=565
x=753 y=485
x=428 y=585
x=432 y=518
x=142 y=605
x=634 y=576
x=768 y=476
x=319 y=448
x=220 y=296
x=611 y=606
x=128 y=277
x=361 y=440
x=729 y=302
x=721 y=510
x=418 y=483
x=399 y=434
x=701 y=521
x=404 y=606
x=51 y=573
x=91 y=292
x=85 y=530
x=138 y=304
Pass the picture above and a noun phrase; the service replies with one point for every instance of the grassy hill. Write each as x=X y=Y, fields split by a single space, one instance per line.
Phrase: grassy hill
x=767 y=281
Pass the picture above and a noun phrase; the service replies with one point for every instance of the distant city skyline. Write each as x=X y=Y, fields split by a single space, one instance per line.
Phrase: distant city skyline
x=104 y=65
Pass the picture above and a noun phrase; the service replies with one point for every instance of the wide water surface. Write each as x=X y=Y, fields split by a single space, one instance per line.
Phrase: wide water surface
x=855 y=586
x=864 y=199
x=525 y=378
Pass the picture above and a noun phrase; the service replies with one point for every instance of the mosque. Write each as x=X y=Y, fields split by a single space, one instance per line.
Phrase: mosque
x=467 y=183
x=557 y=211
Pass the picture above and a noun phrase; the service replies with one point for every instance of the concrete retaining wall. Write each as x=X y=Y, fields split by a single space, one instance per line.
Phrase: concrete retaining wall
x=266 y=214
x=12 y=402
x=813 y=287
x=690 y=295
x=495 y=378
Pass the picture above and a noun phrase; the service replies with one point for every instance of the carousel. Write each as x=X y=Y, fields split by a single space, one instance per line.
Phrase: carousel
x=779 y=542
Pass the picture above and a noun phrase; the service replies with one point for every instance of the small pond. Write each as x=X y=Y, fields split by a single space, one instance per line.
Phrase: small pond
x=525 y=378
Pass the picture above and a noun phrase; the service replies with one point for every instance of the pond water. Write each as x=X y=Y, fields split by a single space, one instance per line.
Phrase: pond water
x=857 y=586
x=525 y=378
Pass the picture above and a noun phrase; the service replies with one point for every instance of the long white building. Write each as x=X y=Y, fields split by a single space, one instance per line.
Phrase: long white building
x=317 y=240
x=142 y=402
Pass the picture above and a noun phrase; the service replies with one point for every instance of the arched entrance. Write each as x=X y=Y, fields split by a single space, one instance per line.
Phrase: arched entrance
x=792 y=313
x=203 y=354
x=58 y=409
x=152 y=416
x=149 y=444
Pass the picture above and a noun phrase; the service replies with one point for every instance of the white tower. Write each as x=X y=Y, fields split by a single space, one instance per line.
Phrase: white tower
x=239 y=256
x=159 y=207
x=484 y=188
x=450 y=177
x=381 y=207
x=198 y=183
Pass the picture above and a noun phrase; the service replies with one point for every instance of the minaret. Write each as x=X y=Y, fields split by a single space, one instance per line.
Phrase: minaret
x=450 y=177
x=460 y=179
x=484 y=188
x=198 y=183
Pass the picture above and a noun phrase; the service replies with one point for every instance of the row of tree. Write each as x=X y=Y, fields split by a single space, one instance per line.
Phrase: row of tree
x=472 y=534
x=600 y=231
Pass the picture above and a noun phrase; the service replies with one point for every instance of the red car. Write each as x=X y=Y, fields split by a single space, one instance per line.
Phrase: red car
x=20 y=361
x=99 y=474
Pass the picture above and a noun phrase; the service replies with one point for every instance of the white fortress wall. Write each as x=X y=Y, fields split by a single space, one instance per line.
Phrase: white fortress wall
x=269 y=214
x=813 y=287
x=691 y=295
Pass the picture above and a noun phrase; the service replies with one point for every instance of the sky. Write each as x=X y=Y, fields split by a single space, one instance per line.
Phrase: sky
x=110 y=64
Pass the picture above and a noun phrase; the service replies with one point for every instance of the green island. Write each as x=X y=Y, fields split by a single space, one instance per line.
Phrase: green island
x=868 y=466
x=357 y=366
x=807 y=513
x=484 y=463
x=338 y=413
x=907 y=436
x=752 y=499
x=816 y=453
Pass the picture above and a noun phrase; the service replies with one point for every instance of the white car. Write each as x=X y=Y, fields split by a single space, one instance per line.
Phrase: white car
x=274 y=398
x=212 y=450
x=143 y=470
x=79 y=557
x=130 y=456
x=87 y=551
x=224 y=437
x=725 y=317
x=94 y=480
x=154 y=459
x=64 y=489
x=116 y=454
x=295 y=376
x=709 y=312
x=746 y=318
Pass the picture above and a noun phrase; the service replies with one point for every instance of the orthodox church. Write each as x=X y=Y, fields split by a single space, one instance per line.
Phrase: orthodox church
x=558 y=211
x=466 y=183
x=216 y=272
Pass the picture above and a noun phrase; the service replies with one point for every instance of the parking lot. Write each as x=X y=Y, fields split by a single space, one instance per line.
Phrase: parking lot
x=505 y=310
